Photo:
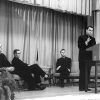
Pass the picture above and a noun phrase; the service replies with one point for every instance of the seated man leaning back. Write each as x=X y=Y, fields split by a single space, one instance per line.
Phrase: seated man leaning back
x=25 y=71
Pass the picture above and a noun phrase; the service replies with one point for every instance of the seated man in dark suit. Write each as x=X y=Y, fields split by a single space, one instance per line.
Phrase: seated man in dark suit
x=63 y=67
x=25 y=71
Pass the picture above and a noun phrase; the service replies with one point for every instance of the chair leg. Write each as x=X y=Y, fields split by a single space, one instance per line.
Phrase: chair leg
x=50 y=79
x=57 y=81
x=54 y=80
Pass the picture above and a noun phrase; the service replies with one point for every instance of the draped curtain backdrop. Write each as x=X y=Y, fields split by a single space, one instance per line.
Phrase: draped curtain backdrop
x=83 y=7
x=39 y=33
x=96 y=17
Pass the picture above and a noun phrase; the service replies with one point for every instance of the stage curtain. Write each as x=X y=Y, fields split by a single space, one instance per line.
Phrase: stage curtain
x=83 y=7
x=96 y=19
x=40 y=34
x=96 y=24
x=95 y=5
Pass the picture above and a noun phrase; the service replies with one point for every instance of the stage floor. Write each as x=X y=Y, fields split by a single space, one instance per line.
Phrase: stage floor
x=58 y=93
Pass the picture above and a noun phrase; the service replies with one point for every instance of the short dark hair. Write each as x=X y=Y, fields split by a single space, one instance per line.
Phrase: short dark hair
x=15 y=51
x=62 y=50
x=88 y=27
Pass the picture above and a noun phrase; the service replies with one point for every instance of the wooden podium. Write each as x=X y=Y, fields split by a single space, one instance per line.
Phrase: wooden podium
x=95 y=62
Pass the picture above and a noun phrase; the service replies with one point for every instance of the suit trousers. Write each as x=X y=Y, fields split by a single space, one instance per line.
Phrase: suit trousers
x=82 y=68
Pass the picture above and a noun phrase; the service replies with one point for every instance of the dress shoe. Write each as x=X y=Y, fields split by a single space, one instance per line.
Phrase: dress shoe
x=81 y=89
x=41 y=86
x=31 y=89
x=84 y=89
x=88 y=89
x=62 y=85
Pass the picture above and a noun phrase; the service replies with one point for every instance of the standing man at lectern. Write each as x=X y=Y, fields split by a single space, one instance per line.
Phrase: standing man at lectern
x=84 y=42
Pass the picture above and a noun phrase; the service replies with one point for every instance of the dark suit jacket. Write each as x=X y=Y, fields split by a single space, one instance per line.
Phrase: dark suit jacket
x=83 y=54
x=3 y=61
x=64 y=63
x=20 y=66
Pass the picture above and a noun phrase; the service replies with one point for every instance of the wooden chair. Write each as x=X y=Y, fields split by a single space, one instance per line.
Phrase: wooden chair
x=48 y=71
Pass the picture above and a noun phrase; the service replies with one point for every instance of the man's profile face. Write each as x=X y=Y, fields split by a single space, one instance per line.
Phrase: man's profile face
x=18 y=53
x=89 y=31
x=62 y=53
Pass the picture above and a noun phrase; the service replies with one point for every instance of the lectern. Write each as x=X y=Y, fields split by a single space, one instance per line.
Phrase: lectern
x=95 y=52
x=95 y=62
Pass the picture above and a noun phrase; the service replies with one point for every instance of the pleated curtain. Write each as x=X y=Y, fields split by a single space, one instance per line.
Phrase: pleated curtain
x=83 y=7
x=40 y=33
